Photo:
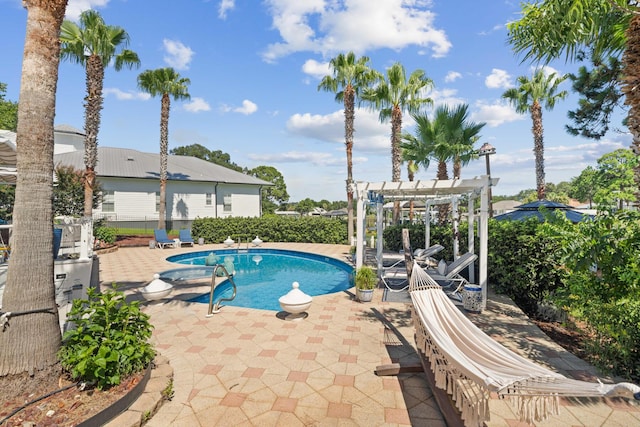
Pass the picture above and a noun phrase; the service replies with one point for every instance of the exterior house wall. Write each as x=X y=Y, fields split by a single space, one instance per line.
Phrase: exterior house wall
x=188 y=200
x=245 y=200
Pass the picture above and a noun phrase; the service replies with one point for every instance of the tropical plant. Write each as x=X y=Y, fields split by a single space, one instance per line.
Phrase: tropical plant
x=366 y=278
x=30 y=340
x=167 y=83
x=110 y=340
x=530 y=95
x=350 y=76
x=94 y=45
x=394 y=94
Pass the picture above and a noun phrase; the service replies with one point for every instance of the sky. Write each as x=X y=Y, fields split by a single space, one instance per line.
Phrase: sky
x=255 y=67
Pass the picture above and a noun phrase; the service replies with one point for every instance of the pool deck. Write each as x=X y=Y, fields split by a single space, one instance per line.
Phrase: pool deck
x=246 y=367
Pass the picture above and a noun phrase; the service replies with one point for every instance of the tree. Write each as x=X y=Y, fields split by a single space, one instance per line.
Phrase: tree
x=201 y=152
x=615 y=178
x=552 y=28
x=167 y=83
x=68 y=193
x=8 y=111
x=31 y=339
x=391 y=96
x=530 y=95
x=350 y=76
x=583 y=187
x=305 y=206
x=272 y=196
x=601 y=95
x=94 y=45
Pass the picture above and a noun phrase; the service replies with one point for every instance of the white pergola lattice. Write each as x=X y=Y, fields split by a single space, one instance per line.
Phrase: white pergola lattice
x=431 y=192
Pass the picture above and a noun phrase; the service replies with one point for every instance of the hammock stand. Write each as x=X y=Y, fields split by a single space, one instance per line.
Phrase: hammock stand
x=469 y=365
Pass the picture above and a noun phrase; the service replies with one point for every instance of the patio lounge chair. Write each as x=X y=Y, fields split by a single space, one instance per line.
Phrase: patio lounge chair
x=185 y=237
x=421 y=256
x=395 y=276
x=162 y=240
x=450 y=279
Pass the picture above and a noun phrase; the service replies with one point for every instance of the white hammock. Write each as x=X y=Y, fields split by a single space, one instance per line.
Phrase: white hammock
x=468 y=364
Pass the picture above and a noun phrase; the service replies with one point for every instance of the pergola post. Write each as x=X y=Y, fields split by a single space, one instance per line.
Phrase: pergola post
x=359 y=230
x=379 y=231
x=455 y=219
x=471 y=244
x=483 y=234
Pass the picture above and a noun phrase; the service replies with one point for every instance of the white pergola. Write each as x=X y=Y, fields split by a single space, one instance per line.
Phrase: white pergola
x=432 y=192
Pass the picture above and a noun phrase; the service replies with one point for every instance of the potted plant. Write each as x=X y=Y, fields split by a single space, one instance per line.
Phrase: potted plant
x=366 y=280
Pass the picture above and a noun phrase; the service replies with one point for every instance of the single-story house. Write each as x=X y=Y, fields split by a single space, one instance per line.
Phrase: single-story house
x=130 y=182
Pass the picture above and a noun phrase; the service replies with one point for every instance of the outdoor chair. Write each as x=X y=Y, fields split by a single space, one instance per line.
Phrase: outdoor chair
x=450 y=279
x=185 y=237
x=162 y=240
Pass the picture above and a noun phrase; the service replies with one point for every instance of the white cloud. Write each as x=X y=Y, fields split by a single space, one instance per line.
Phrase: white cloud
x=76 y=7
x=247 y=108
x=495 y=114
x=196 y=105
x=316 y=69
x=446 y=96
x=225 y=6
x=353 y=25
x=452 y=76
x=315 y=158
x=178 y=55
x=125 y=96
x=498 y=79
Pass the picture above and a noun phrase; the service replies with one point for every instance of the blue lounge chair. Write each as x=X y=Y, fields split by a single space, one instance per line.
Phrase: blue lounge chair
x=185 y=237
x=162 y=240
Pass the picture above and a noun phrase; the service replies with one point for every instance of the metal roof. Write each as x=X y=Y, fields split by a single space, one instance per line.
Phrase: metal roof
x=532 y=210
x=129 y=163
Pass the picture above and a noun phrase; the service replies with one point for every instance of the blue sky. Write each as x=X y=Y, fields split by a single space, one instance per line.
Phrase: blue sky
x=255 y=66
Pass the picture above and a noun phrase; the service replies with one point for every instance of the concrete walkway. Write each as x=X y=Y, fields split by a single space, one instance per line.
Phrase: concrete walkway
x=246 y=367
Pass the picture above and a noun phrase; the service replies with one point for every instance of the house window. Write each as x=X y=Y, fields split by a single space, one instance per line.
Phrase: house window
x=157 y=201
x=108 y=201
x=227 y=203
x=207 y=199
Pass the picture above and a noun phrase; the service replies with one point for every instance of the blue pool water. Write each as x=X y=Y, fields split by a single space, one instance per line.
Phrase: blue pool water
x=264 y=275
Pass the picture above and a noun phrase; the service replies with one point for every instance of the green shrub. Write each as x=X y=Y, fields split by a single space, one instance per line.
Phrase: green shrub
x=105 y=234
x=110 y=341
x=271 y=228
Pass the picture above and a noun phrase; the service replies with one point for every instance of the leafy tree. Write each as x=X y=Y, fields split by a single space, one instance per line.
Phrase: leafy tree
x=583 y=187
x=167 y=83
x=394 y=94
x=30 y=341
x=7 y=200
x=305 y=206
x=553 y=28
x=615 y=178
x=272 y=196
x=68 y=193
x=94 y=45
x=8 y=111
x=601 y=95
x=350 y=76
x=530 y=95
x=201 y=152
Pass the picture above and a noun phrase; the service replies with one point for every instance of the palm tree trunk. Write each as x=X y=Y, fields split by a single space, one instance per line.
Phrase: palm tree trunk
x=631 y=81
x=443 y=210
x=164 y=149
x=457 y=168
x=30 y=341
x=411 y=176
x=93 y=106
x=349 y=118
x=396 y=154
x=538 y=147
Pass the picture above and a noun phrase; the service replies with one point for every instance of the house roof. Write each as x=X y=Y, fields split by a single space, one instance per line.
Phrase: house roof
x=531 y=210
x=128 y=163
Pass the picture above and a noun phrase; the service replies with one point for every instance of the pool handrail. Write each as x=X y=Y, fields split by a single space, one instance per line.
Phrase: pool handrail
x=215 y=308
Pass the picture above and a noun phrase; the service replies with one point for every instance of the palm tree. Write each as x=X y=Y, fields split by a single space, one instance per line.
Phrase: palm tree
x=31 y=339
x=349 y=77
x=167 y=83
x=393 y=95
x=94 y=45
x=528 y=96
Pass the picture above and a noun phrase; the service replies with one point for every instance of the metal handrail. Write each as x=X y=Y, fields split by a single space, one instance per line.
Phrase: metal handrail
x=215 y=308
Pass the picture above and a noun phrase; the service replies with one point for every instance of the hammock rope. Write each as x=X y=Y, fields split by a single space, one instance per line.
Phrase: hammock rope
x=469 y=364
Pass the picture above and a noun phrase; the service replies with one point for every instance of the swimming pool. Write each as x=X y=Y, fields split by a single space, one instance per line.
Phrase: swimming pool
x=262 y=276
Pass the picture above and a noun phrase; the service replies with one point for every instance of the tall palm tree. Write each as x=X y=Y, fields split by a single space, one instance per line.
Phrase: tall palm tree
x=167 y=83
x=349 y=77
x=529 y=95
x=31 y=339
x=94 y=45
x=394 y=94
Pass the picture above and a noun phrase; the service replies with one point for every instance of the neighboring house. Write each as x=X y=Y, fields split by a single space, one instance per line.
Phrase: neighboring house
x=130 y=182
x=504 y=206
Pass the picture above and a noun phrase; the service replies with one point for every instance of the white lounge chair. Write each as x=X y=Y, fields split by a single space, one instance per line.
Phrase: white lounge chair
x=395 y=276
x=450 y=279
